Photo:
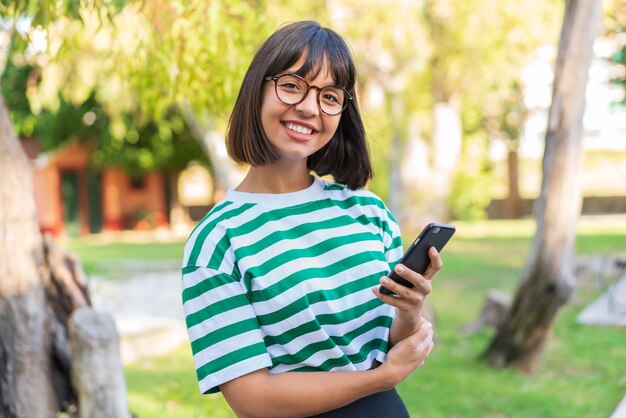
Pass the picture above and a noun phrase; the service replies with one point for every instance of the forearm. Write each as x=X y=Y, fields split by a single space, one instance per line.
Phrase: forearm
x=293 y=394
x=402 y=328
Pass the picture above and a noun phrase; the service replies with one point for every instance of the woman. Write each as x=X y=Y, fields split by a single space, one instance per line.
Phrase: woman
x=280 y=279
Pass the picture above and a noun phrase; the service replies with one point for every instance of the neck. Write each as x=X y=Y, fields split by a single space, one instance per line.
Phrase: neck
x=273 y=179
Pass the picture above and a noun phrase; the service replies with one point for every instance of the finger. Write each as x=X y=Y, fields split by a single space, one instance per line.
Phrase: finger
x=425 y=346
x=435 y=263
x=388 y=299
x=400 y=303
x=417 y=280
x=421 y=285
x=425 y=328
x=398 y=289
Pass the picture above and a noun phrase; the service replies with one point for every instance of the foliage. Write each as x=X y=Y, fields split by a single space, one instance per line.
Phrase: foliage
x=125 y=141
x=117 y=75
x=470 y=195
x=140 y=60
x=615 y=28
x=152 y=56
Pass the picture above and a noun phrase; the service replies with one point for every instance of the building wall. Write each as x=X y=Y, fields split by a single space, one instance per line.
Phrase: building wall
x=133 y=205
x=126 y=204
x=47 y=186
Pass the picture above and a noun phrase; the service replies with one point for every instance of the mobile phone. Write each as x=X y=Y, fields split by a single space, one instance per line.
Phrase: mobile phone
x=416 y=257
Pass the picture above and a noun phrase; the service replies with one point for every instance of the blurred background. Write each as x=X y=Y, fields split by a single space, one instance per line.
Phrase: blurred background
x=122 y=109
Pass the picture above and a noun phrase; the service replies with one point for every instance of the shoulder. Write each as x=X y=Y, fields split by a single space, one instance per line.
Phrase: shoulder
x=210 y=232
x=362 y=197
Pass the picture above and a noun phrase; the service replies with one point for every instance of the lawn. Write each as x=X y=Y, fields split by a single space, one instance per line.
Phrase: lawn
x=105 y=255
x=583 y=373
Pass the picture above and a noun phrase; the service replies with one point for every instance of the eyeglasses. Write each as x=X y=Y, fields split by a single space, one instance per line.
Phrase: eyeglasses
x=292 y=89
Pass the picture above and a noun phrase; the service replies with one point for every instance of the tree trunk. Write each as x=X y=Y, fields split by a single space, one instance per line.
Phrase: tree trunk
x=396 y=192
x=446 y=152
x=548 y=280
x=179 y=214
x=225 y=171
x=26 y=384
x=513 y=199
x=97 y=372
x=415 y=174
x=41 y=285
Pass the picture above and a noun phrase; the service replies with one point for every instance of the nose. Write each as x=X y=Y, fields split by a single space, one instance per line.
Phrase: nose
x=309 y=106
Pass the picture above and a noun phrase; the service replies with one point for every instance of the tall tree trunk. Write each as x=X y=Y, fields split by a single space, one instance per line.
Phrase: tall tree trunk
x=446 y=152
x=396 y=192
x=415 y=173
x=26 y=384
x=513 y=199
x=548 y=282
x=225 y=171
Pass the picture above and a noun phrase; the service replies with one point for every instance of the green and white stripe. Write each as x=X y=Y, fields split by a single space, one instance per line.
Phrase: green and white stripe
x=284 y=282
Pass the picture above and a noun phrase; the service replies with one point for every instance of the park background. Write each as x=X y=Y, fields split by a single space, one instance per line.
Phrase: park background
x=122 y=113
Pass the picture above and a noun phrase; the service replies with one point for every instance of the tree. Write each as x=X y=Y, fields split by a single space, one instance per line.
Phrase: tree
x=548 y=280
x=25 y=362
x=154 y=59
x=33 y=379
x=614 y=28
x=444 y=70
x=140 y=58
x=146 y=145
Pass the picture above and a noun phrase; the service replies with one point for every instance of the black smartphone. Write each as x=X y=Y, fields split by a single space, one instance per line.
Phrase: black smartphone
x=416 y=257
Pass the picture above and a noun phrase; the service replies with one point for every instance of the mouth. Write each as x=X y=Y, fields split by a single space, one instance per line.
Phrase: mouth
x=298 y=128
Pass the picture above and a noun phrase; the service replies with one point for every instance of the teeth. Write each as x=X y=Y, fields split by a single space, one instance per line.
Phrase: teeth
x=298 y=128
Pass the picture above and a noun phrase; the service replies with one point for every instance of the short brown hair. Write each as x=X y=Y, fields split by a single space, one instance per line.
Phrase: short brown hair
x=346 y=156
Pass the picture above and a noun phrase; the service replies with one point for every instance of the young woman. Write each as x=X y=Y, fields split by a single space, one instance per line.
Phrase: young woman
x=280 y=279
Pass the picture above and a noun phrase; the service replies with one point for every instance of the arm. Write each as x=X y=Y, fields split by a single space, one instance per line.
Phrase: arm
x=409 y=301
x=260 y=394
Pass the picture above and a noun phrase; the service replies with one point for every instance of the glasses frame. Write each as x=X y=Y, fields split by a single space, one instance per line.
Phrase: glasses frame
x=275 y=78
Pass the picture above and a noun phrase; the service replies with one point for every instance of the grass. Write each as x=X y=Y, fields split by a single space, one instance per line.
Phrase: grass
x=166 y=387
x=106 y=257
x=583 y=372
x=582 y=375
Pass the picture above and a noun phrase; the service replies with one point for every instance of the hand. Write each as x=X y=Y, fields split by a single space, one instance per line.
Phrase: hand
x=409 y=301
x=409 y=353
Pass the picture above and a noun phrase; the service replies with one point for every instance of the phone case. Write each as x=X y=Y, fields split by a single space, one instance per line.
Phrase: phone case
x=416 y=257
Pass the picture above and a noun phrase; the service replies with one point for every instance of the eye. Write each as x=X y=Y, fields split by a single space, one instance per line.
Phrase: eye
x=290 y=83
x=331 y=96
x=290 y=86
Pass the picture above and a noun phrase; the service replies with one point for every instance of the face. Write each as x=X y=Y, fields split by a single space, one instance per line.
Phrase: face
x=297 y=131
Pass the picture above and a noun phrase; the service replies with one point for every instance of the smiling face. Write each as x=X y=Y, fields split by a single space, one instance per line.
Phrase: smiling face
x=297 y=131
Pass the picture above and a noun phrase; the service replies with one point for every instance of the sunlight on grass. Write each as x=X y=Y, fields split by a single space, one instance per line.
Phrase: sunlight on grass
x=167 y=387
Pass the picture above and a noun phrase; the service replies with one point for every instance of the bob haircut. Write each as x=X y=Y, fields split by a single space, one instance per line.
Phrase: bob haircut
x=346 y=156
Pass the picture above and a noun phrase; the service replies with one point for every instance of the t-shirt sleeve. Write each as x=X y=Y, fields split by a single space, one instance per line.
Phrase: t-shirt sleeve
x=392 y=239
x=225 y=336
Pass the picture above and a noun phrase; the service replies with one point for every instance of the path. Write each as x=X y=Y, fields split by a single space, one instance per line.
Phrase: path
x=610 y=308
x=147 y=311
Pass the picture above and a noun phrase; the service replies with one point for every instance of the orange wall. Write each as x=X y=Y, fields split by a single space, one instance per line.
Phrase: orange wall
x=124 y=204
x=47 y=186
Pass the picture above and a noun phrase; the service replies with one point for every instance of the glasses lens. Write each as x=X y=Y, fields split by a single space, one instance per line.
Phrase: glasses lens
x=332 y=100
x=290 y=89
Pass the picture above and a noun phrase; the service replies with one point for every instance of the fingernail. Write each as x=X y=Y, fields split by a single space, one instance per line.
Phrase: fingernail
x=400 y=268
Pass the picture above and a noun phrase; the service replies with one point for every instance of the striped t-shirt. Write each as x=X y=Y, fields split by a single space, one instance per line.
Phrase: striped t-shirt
x=283 y=282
